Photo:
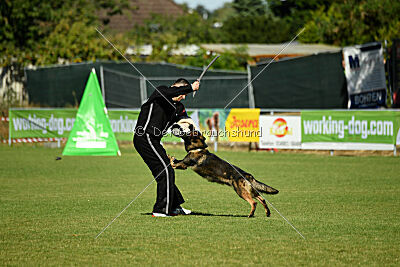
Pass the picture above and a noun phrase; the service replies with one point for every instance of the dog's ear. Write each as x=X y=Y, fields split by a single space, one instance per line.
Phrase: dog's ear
x=177 y=130
x=191 y=127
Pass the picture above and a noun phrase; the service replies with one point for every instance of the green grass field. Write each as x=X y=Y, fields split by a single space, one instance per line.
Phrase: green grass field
x=348 y=208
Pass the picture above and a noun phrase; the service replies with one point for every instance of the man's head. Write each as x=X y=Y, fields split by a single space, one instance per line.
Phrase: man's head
x=178 y=83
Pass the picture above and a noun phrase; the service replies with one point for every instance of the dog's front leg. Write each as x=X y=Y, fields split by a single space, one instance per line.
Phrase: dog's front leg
x=177 y=164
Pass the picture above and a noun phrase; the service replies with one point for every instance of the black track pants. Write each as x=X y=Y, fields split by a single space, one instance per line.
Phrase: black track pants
x=152 y=152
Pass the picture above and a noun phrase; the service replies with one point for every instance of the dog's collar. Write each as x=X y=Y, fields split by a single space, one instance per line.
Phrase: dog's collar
x=196 y=150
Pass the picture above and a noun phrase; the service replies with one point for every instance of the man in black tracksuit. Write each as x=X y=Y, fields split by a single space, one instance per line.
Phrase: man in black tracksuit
x=162 y=109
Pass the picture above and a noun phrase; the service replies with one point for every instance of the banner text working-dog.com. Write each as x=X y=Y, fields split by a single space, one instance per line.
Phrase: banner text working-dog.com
x=363 y=128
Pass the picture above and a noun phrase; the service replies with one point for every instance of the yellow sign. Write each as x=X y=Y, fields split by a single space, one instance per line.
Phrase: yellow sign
x=242 y=125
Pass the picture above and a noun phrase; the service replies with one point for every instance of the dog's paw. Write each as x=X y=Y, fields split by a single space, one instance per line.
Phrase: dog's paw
x=172 y=161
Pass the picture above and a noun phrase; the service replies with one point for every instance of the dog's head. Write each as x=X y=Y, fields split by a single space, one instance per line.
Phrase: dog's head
x=186 y=130
x=194 y=140
x=182 y=127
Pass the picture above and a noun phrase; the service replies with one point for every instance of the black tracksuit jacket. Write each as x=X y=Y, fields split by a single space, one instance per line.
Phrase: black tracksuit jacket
x=158 y=114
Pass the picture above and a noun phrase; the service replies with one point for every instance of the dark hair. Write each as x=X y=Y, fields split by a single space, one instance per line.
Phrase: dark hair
x=181 y=82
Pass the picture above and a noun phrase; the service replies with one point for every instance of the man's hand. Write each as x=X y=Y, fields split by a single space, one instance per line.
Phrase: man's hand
x=196 y=85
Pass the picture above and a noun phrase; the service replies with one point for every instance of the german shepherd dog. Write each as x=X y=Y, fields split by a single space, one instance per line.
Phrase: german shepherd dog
x=220 y=171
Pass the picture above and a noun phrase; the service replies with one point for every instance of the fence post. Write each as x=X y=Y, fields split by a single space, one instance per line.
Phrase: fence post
x=9 y=128
x=143 y=89
x=250 y=90
x=9 y=133
x=103 y=90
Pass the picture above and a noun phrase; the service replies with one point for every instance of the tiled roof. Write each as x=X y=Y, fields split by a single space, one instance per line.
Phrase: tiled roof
x=142 y=10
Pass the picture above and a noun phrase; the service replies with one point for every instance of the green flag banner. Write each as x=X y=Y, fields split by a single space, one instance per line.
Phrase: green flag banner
x=91 y=133
x=41 y=122
x=58 y=122
x=328 y=129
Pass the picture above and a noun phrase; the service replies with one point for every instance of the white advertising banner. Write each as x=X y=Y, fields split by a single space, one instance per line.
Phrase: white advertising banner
x=365 y=75
x=280 y=132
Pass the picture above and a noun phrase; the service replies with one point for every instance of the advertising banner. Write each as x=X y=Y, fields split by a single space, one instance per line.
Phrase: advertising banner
x=212 y=123
x=365 y=75
x=280 y=132
x=349 y=130
x=122 y=123
x=41 y=123
x=233 y=125
x=57 y=123
x=242 y=125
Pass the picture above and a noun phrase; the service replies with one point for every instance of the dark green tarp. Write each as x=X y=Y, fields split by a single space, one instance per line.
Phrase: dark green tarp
x=61 y=86
x=311 y=82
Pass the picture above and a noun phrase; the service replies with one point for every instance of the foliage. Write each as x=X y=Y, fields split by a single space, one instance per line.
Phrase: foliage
x=47 y=32
x=296 y=13
x=50 y=32
x=223 y=13
x=187 y=29
x=236 y=59
x=28 y=27
x=354 y=22
x=297 y=8
x=166 y=34
x=254 y=29
x=246 y=8
x=251 y=22
x=75 y=42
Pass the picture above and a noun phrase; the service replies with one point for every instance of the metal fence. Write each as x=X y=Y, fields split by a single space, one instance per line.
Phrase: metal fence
x=121 y=90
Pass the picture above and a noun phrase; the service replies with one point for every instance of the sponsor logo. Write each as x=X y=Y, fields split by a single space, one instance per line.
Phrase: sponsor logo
x=280 y=128
x=243 y=123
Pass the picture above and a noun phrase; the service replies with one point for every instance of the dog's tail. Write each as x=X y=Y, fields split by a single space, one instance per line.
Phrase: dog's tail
x=263 y=188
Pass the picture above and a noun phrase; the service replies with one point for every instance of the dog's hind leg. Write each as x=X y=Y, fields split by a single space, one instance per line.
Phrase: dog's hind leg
x=243 y=193
x=246 y=196
x=252 y=203
x=267 y=211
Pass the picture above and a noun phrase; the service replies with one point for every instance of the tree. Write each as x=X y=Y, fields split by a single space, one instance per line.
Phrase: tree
x=223 y=13
x=25 y=26
x=202 y=11
x=296 y=13
x=249 y=7
x=251 y=22
x=165 y=34
x=354 y=22
x=255 y=29
x=300 y=8
x=235 y=59
x=42 y=32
